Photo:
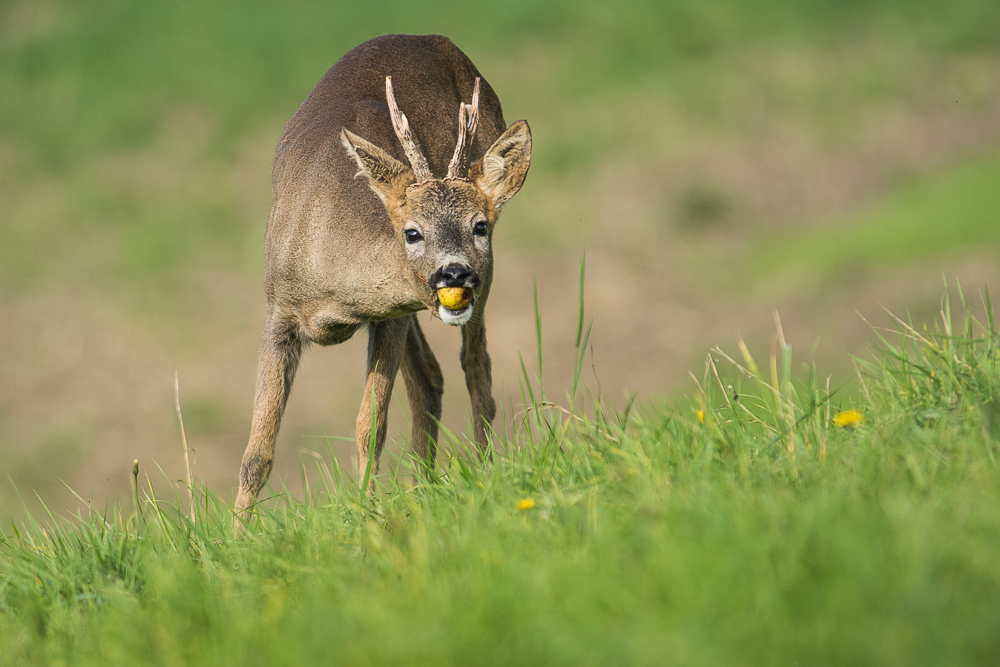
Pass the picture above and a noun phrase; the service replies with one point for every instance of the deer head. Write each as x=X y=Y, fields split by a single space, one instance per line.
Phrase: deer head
x=446 y=225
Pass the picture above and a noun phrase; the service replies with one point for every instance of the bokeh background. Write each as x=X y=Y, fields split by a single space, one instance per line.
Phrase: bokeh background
x=715 y=162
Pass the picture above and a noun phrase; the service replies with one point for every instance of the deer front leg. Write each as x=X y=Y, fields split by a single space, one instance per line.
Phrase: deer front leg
x=479 y=379
x=424 y=388
x=386 y=343
x=279 y=357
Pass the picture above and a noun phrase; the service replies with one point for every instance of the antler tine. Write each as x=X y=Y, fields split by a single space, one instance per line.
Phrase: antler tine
x=402 y=127
x=455 y=166
x=468 y=120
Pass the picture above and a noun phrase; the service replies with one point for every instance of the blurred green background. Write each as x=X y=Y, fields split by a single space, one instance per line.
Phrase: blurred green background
x=716 y=162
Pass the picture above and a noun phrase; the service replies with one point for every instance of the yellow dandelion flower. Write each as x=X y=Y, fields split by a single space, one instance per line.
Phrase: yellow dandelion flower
x=848 y=418
x=701 y=416
x=524 y=504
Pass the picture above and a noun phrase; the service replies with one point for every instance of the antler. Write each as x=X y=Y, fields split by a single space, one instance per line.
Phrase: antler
x=399 y=123
x=468 y=119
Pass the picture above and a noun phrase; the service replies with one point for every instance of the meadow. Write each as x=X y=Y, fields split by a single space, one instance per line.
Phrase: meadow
x=766 y=523
x=742 y=180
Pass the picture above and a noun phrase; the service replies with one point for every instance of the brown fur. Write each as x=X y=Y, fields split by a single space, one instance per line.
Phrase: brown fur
x=337 y=255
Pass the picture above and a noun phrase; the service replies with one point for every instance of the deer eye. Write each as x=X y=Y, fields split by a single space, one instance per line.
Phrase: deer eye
x=480 y=228
x=412 y=236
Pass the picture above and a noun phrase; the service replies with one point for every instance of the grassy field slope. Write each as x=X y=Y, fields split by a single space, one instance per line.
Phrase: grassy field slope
x=764 y=521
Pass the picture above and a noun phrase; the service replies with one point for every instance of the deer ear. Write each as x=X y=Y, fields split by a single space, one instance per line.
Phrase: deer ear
x=387 y=176
x=500 y=173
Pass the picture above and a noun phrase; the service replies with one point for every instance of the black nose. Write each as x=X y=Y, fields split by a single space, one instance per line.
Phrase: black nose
x=456 y=275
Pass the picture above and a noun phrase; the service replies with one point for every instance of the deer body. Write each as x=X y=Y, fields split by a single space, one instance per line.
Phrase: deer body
x=374 y=213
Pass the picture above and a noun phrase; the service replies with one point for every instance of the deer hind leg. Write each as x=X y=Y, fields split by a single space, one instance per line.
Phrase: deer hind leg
x=424 y=388
x=386 y=343
x=280 y=350
x=479 y=380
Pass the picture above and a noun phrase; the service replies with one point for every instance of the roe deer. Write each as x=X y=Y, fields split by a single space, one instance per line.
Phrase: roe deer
x=344 y=252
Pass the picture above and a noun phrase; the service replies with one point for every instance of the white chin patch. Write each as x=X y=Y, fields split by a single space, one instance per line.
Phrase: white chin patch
x=455 y=318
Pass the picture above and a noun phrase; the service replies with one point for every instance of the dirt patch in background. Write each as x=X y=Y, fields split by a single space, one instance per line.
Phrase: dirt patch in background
x=87 y=368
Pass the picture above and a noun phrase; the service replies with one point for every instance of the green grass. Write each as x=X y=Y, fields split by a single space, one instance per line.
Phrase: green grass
x=88 y=75
x=923 y=218
x=751 y=532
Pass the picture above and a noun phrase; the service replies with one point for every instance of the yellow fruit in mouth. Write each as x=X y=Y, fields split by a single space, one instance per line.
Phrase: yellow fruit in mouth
x=454 y=298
